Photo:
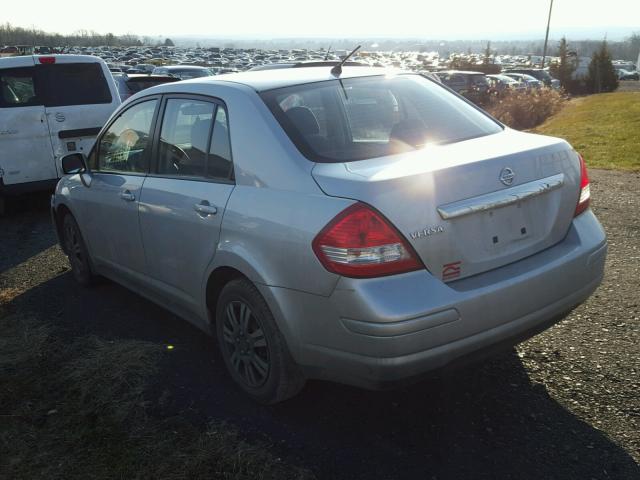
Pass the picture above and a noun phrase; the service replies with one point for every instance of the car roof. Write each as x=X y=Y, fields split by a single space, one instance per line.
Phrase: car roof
x=263 y=80
x=182 y=67
x=59 y=58
x=463 y=72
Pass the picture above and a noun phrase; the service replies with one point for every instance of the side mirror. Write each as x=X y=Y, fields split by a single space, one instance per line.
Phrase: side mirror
x=74 y=163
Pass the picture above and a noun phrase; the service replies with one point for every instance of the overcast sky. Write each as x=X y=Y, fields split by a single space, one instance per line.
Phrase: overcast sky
x=447 y=19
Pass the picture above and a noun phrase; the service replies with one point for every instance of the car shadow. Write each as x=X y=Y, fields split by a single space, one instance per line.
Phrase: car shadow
x=26 y=229
x=488 y=420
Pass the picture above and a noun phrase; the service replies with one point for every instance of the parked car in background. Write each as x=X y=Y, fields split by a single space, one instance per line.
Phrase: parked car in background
x=528 y=81
x=472 y=85
x=49 y=106
x=502 y=83
x=627 y=75
x=539 y=74
x=298 y=215
x=183 y=72
x=130 y=84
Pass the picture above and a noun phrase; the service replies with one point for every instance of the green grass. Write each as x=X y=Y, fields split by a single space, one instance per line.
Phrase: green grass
x=81 y=408
x=604 y=128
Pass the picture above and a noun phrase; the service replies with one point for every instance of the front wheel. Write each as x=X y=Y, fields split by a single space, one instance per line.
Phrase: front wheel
x=76 y=251
x=253 y=349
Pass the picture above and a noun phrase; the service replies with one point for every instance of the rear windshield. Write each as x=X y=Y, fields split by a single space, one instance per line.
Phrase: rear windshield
x=74 y=84
x=359 y=118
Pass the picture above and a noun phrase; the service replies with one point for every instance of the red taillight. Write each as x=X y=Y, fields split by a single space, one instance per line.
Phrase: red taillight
x=585 y=191
x=360 y=242
x=47 y=60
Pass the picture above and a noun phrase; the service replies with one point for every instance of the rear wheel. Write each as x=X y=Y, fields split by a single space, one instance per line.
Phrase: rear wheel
x=253 y=349
x=76 y=251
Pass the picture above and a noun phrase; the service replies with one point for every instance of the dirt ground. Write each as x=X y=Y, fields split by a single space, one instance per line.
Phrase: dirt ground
x=563 y=405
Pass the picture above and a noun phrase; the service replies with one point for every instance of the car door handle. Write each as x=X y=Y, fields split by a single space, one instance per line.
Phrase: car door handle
x=127 y=196
x=205 y=208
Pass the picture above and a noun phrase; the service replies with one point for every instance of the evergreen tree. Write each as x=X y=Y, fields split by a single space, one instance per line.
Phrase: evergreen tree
x=602 y=76
x=487 y=54
x=565 y=66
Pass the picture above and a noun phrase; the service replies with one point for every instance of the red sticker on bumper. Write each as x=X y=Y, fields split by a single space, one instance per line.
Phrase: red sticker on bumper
x=451 y=270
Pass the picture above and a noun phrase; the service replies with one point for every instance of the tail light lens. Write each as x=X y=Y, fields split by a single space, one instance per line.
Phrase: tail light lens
x=585 y=191
x=47 y=60
x=360 y=242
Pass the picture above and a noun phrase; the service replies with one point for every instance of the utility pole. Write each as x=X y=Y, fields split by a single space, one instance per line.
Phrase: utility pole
x=546 y=37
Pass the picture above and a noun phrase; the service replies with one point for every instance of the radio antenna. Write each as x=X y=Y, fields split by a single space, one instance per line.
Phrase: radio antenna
x=337 y=70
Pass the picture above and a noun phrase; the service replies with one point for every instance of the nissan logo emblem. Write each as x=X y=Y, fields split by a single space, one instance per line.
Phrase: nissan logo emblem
x=507 y=176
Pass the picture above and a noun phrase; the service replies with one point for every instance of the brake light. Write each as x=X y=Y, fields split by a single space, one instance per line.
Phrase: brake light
x=47 y=60
x=360 y=242
x=585 y=191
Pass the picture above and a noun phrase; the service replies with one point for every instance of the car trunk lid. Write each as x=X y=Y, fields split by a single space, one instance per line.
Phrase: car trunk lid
x=471 y=206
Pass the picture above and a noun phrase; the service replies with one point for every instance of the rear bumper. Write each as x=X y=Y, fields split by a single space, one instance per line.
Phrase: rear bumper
x=374 y=332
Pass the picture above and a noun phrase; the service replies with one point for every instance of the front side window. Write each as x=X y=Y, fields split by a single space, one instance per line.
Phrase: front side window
x=17 y=88
x=367 y=117
x=74 y=84
x=124 y=147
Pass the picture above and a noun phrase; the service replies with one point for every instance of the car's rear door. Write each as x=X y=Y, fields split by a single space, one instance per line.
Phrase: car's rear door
x=25 y=149
x=80 y=96
x=109 y=204
x=184 y=198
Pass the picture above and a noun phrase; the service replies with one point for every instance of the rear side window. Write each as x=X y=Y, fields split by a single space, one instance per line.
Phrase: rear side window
x=184 y=137
x=194 y=140
x=220 y=164
x=74 y=84
x=18 y=88
x=360 y=118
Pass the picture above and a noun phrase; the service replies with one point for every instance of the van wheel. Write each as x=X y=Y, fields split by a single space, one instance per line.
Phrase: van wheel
x=4 y=206
x=253 y=349
x=76 y=251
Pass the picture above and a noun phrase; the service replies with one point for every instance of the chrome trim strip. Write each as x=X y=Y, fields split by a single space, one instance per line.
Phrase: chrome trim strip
x=501 y=198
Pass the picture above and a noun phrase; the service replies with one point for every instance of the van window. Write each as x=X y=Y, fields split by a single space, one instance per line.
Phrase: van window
x=124 y=146
x=17 y=88
x=74 y=84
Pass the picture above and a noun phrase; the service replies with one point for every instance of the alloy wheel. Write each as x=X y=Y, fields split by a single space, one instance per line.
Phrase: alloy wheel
x=246 y=344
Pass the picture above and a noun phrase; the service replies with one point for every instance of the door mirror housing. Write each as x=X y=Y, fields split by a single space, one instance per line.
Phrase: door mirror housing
x=74 y=163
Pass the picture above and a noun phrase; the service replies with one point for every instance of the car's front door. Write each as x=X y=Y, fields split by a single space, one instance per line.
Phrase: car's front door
x=119 y=165
x=184 y=198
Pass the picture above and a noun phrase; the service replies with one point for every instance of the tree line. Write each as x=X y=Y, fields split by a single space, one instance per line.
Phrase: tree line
x=626 y=49
x=13 y=35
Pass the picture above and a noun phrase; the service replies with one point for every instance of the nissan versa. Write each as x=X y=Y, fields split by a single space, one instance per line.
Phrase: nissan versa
x=351 y=224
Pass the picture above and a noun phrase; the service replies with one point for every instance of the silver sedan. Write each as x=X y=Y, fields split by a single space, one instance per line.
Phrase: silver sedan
x=357 y=225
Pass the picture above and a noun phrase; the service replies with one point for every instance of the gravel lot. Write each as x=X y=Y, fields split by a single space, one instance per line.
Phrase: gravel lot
x=565 y=404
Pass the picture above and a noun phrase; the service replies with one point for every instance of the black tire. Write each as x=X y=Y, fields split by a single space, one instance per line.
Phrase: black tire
x=253 y=349
x=76 y=251
x=5 y=206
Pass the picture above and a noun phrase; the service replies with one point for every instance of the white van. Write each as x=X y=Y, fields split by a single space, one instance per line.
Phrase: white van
x=49 y=106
